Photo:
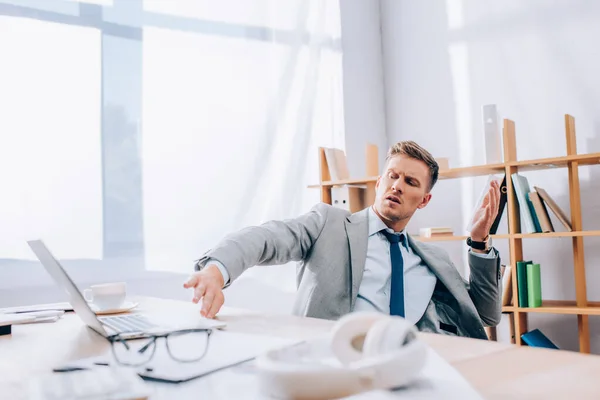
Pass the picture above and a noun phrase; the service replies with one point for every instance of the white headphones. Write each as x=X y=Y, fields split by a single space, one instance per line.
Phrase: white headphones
x=365 y=351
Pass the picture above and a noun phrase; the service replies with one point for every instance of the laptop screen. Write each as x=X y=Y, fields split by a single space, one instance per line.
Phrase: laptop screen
x=58 y=273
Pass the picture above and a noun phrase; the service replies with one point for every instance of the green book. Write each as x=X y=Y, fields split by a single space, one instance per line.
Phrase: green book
x=522 y=282
x=534 y=285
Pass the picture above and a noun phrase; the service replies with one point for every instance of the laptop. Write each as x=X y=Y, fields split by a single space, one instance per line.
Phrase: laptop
x=129 y=326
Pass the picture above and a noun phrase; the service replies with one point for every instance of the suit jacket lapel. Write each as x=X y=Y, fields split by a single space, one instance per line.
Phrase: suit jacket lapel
x=357 y=230
x=444 y=272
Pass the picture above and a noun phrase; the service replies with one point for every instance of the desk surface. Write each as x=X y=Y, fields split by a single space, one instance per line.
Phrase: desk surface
x=495 y=370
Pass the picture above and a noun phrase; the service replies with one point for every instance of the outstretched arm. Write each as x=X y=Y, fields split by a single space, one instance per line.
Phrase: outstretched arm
x=274 y=242
x=485 y=286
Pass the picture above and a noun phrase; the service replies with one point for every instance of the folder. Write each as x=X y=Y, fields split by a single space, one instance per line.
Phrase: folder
x=536 y=338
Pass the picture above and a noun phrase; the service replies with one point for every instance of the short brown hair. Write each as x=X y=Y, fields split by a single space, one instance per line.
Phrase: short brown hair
x=413 y=150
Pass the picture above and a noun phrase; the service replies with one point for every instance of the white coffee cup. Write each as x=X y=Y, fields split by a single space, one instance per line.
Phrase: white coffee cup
x=107 y=296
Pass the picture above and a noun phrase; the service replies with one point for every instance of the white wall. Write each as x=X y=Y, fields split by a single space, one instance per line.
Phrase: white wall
x=364 y=111
x=443 y=60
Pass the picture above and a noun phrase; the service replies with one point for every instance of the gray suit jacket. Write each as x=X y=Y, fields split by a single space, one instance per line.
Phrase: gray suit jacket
x=330 y=246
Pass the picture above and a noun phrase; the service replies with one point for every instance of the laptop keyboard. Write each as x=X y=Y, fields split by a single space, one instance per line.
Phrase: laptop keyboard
x=128 y=323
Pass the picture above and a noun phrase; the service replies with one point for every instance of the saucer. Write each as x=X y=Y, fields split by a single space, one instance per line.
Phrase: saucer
x=127 y=306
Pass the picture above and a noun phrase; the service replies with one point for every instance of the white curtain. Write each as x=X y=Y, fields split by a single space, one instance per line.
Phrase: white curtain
x=50 y=162
x=232 y=124
x=236 y=97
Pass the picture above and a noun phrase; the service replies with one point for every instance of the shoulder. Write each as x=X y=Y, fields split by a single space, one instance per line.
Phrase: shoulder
x=330 y=211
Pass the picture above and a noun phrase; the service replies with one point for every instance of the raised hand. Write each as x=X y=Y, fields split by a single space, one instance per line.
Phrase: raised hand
x=486 y=214
x=208 y=287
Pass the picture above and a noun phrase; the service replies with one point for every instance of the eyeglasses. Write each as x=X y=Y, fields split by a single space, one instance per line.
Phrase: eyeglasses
x=187 y=345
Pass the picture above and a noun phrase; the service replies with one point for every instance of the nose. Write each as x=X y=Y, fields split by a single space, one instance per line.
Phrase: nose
x=397 y=186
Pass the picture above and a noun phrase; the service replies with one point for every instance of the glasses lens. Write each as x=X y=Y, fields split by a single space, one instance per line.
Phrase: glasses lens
x=134 y=352
x=187 y=346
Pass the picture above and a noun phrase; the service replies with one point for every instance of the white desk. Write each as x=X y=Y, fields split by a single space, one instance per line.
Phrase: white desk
x=496 y=370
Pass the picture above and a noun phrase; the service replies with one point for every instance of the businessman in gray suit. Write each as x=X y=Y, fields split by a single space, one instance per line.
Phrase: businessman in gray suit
x=367 y=261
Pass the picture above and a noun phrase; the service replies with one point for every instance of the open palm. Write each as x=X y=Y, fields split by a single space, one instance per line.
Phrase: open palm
x=486 y=214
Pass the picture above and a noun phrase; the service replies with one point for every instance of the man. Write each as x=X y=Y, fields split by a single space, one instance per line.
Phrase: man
x=366 y=261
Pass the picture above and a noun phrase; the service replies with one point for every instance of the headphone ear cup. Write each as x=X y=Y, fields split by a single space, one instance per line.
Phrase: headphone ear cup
x=349 y=334
x=388 y=335
x=393 y=356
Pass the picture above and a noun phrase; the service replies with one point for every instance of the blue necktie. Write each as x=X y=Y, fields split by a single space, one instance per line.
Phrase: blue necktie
x=397 y=290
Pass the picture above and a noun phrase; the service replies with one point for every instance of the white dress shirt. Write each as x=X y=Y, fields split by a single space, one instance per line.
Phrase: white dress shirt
x=374 y=290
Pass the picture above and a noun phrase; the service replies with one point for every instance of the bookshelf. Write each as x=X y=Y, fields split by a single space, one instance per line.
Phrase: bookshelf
x=580 y=305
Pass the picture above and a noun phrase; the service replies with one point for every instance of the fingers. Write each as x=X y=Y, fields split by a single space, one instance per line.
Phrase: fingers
x=207 y=303
x=191 y=282
x=496 y=196
x=212 y=302
x=199 y=292
x=492 y=203
x=208 y=288
x=486 y=199
x=218 y=301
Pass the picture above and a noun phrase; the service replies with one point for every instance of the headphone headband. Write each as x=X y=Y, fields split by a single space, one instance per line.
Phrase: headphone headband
x=364 y=351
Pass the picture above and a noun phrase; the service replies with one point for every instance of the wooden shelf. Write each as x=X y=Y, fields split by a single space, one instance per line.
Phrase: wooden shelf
x=451 y=238
x=511 y=165
x=554 y=234
x=362 y=181
x=490 y=169
x=556 y=162
x=465 y=172
x=565 y=307
x=448 y=238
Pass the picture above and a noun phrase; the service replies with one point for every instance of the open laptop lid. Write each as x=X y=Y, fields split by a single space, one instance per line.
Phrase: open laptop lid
x=58 y=273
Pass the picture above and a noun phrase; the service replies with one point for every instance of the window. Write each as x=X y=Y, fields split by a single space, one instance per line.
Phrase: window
x=136 y=134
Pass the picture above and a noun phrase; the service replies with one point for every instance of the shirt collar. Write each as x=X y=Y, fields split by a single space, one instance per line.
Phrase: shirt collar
x=376 y=224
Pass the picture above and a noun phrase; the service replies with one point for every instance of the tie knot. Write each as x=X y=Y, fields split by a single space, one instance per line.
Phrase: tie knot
x=393 y=237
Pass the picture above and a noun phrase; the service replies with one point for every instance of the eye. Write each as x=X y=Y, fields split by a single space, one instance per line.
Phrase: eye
x=412 y=182
x=393 y=175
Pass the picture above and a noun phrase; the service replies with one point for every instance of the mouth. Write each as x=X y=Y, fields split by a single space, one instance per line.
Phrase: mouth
x=393 y=199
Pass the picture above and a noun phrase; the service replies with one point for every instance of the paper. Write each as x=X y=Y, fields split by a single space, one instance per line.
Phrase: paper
x=225 y=350
x=64 y=306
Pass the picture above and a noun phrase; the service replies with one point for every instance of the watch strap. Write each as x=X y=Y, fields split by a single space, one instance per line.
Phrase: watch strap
x=477 y=245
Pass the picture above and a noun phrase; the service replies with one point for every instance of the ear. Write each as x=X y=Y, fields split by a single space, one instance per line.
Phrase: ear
x=425 y=201
x=377 y=182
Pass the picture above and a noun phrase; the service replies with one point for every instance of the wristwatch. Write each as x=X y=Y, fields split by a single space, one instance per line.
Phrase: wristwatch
x=485 y=245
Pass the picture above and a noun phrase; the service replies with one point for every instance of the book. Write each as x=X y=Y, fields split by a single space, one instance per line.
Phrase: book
x=521 y=186
x=534 y=285
x=492 y=134
x=522 y=282
x=435 y=231
x=336 y=163
x=534 y=217
x=506 y=286
x=560 y=214
x=536 y=338
x=501 y=207
x=541 y=212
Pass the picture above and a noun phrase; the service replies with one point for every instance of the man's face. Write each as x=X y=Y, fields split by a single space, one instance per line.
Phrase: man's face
x=402 y=188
